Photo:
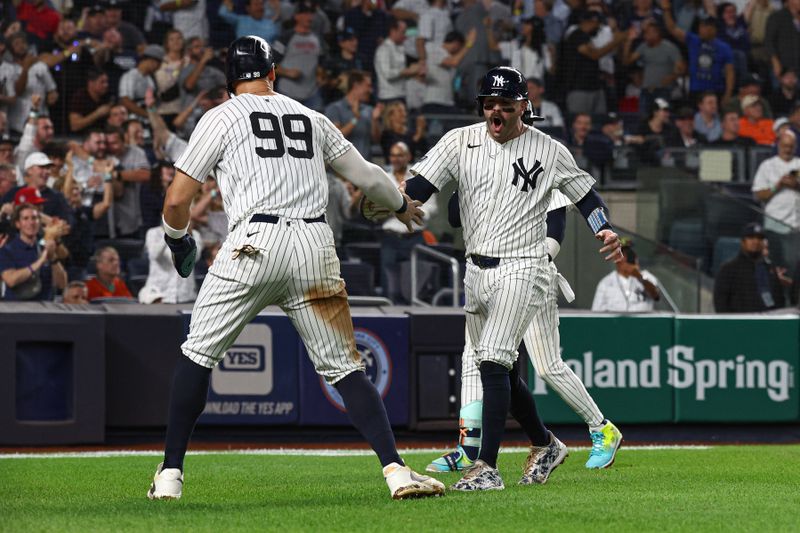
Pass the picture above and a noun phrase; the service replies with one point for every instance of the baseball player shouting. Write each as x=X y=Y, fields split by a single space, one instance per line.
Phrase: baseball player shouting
x=505 y=171
x=268 y=153
x=543 y=345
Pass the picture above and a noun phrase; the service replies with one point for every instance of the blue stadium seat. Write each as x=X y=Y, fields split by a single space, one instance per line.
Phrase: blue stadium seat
x=725 y=249
x=686 y=235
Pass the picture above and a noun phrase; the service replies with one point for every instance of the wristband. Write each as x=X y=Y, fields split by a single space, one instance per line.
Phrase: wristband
x=172 y=232
x=402 y=207
x=354 y=121
x=553 y=247
x=598 y=220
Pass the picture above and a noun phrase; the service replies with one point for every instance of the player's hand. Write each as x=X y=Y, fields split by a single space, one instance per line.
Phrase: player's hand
x=611 y=245
x=184 y=254
x=412 y=214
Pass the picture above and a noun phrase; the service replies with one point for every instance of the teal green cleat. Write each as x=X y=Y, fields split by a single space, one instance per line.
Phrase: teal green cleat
x=605 y=444
x=455 y=461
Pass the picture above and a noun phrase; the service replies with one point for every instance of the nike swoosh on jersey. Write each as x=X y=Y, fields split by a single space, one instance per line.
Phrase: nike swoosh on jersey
x=251 y=234
x=472 y=145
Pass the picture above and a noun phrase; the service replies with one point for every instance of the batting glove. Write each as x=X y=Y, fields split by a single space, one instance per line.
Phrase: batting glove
x=184 y=254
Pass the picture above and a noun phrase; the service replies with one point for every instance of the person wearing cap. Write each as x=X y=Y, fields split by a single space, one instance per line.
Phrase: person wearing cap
x=581 y=65
x=188 y=16
x=628 y=289
x=337 y=65
x=36 y=171
x=747 y=283
x=710 y=59
x=549 y=112
x=777 y=185
x=29 y=267
x=254 y=22
x=134 y=84
x=753 y=124
x=132 y=37
x=786 y=96
x=750 y=85
x=28 y=76
x=653 y=133
x=684 y=135
x=162 y=280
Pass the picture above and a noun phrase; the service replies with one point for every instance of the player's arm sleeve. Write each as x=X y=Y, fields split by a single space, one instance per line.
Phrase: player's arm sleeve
x=557 y=224
x=370 y=178
x=454 y=211
x=205 y=147
x=594 y=210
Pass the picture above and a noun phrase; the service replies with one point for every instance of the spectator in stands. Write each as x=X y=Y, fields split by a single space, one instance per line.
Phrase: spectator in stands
x=76 y=293
x=92 y=168
x=36 y=170
x=783 y=38
x=28 y=77
x=581 y=67
x=298 y=52
x=732 y=29
x=80 y=241
x=710 y=59
x=162 y=278
x=640 y=11
x=358 y=121
x=590 y=151
x=396 y=241
x=94 y=23
x=134 y=132
x=442 y=60
x=390 y=64
x=786 y=96
x=8 y=179
x=37 y=133
x=434 y=25
x=339 y=64
x=706 y=120
x=395 y=129
x=30 y=270
x=756 y=13
x=654 y=132
x=90 y=105
x=112 y=59
x=627 y=289
x=207 y=214
x=730 y=132
x=794 y=124
x=546 y=109
x=198 y=75
x=188 y=17
x=134 y=84
x=683 y=135
x=40 y=20
x=751 y=85
x=132 y=37
x=168 y=77
x=339 y=208
x=753 y=124
x=747 y=283
x=107 y=283
x=255 y=22
x=152 y=193
x=117 y=116
x=132 y=169
x=476 y=14
x=371 y=25
x=777 y=185
x=660 y=59
x=529 y=53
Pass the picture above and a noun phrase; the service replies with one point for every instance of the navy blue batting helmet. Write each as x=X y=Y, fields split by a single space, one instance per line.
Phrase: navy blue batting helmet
x=505 y=82
x=249 y=58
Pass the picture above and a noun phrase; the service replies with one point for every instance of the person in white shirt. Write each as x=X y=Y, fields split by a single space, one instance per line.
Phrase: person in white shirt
x=162 y=279
x=390 y=64
x=777 y=184
x=434 y=25
x=396 y=241
x=628 y=288
x=188 y=17
x=548 y=111
x=442 y=60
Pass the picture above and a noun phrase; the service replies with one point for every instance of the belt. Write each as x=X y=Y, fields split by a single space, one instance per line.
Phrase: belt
x=482 y=261
x=273 y=219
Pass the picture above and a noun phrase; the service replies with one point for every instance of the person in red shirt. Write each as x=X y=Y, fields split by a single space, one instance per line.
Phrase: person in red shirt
x=107 y=283
x=752 y=124
x=41 y=21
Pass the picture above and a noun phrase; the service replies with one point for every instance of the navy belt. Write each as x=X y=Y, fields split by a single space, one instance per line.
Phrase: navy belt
x=273 y=219
x=482 y=261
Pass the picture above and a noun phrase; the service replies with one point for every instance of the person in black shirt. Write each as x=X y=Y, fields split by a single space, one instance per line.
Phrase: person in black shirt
x=336 y=66
x=748 y=283
x=91 y=104
x=730 y=132
x=786 y=96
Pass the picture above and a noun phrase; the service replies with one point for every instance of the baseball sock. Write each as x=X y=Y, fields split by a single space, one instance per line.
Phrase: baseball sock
x=368 y=414
x=186 y=403
x=523 y=409
x=496 y=400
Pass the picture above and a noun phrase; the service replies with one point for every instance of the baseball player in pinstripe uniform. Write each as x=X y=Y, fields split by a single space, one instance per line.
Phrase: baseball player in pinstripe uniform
x=268 y=153
x=543 y=345
x=505 y=171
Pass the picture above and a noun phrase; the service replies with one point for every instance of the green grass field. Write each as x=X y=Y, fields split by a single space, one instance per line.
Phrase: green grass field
x=744 y=488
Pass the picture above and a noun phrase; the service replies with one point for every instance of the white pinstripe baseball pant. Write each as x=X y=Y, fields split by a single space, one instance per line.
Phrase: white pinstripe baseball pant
x=542 y=340
x=296 y=268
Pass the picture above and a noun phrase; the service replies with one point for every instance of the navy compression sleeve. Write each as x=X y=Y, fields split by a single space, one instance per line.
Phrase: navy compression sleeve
x=594 y=210
x=418 y=188
x=557 y=224
x=454 y=211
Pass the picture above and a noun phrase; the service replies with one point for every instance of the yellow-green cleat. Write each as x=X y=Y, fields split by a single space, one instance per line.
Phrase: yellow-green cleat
x=605 y=444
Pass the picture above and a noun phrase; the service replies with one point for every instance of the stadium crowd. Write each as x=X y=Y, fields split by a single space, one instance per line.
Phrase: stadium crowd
x=97 y=100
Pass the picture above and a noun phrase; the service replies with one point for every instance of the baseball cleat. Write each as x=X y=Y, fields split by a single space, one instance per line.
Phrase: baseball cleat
x=605 y=444
x=167 y=484
x=404 y=483
x=455 y=461
x=479 y=476
x=542 y=460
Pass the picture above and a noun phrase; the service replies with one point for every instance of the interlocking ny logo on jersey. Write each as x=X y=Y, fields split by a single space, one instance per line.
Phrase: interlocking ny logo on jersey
x=529 y=177
x=498 y=81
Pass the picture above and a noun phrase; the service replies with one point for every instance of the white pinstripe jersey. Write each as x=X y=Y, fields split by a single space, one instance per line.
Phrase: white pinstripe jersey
x=504 y=189
x=268 y=154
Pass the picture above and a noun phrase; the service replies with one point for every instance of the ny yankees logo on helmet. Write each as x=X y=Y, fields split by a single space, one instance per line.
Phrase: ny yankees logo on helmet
x=499 y=81
x=529 y=177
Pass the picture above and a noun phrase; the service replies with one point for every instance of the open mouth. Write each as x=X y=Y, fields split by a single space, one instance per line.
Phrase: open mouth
x=497 y=124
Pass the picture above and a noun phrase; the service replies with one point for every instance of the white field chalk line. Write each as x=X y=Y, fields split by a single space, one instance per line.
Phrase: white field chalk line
x=308 y=452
